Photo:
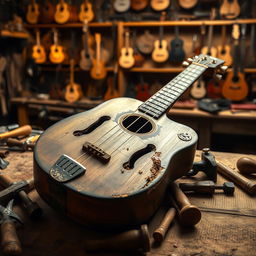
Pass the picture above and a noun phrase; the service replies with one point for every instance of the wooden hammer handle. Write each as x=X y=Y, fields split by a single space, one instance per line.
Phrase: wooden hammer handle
x=10 y=241
x=23 y=130
x=238 y=179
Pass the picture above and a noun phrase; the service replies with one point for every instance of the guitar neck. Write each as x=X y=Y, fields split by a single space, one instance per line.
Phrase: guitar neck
x=209 y=44
x=161 y=34
x=98 y=42
x=223 y=37
x=161 y=101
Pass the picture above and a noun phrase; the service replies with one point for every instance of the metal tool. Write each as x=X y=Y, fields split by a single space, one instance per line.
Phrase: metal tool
x=10 y=241
x=26 y=145
x=19 y=189
x=3 y=163
x=207 y=165
x=208 y=187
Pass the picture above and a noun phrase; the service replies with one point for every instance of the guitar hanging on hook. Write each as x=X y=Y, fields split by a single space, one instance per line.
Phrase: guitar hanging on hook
x=110 y=166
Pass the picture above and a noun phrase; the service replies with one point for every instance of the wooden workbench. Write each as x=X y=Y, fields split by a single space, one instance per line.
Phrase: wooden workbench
x=227 y=227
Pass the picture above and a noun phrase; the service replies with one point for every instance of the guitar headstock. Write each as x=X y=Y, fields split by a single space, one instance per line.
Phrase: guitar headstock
x=210 y=63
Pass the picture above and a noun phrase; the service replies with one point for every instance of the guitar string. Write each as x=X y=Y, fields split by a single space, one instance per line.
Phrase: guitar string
x=122 y=131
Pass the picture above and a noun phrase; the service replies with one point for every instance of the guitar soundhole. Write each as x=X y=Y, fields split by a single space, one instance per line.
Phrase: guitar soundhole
x=136 y=123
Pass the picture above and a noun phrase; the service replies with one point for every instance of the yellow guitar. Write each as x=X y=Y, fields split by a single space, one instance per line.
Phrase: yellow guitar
x=38 y=51
x=56 y=51
x=86 y=12
x=224 y=49
x=159 y=5
x=62 y=13
x=126 y=59
x=32 y=12
x=98 y=70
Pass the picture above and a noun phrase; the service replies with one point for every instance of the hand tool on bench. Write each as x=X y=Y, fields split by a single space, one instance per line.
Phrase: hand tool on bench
x=207 y=165
x=161 y=231
x=246 y=165
x=189 y=214
x=3 y=163
x=10 y=241
x=247 y=185
x=208 y=187
x=26 y=145
x=19 y=189
x=21 y=131
x=130 y=240
x=4 y=153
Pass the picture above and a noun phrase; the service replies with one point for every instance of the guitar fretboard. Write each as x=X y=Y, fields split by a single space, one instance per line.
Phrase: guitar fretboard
x=161 y=101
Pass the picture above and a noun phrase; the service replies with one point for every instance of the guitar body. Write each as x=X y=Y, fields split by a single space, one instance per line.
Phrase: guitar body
x=160 y=53
x=177 y=54
x=224 y=53
x=187 y=4
x=86 y=12
x=122 y=5
x=111 y=92
x=38 y=54
x=214 y=89
x=47 y=13
x=56 y=54
x=73 y=92
x=85 y=60
x=126 y=59
x=108 y=195
x=212 y=51
x=198 y=90
x=230 y=9
x=98 y=70
x=159 y=5
x=62 y=13
x=139 y=5
x=143 y=92
x=235 y=87
x=32 y=13
x=145 y=43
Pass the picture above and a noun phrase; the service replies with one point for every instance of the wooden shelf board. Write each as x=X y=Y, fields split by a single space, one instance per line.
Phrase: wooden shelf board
x=77 y=69
x=188 y=23
x=14 y=34
x=69 y=25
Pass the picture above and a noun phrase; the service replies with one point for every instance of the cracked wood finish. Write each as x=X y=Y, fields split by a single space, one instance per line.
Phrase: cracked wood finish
x=108 y=194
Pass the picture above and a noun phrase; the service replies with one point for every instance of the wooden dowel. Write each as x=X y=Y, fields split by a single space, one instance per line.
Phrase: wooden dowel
x=160 y=232
x=189 y=214
x=23 y=130
x=247 y=185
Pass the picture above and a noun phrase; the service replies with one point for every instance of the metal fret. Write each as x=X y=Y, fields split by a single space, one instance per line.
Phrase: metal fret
x=157 y=104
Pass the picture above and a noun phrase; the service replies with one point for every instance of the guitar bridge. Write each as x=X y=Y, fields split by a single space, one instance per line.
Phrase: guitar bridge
x=96 y=152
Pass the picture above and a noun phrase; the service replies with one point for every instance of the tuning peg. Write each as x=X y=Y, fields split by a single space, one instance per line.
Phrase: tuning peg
x=185 y=64
x=223 y=69
x=189 y=60
x=218 y=77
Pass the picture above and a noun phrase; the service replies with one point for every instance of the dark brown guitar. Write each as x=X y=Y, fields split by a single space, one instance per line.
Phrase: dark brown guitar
x=110 y=166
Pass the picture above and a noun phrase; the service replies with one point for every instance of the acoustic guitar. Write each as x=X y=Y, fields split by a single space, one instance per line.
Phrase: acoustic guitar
x=73 y=90
x=177 y=54
x=209 y=49
x=160 y=53
x=198 y=89
x=32 y=12
x=139 y=5
x=111 y=166
x=98 y=70
x=224 y=49
x=86 y=53
x=230 y=9
x=86 y=12
x=38 y=51
x=188 y=4
x=112 y=91
x=142 y=90
x=57 y=54
x=121 y=5
x=159 y=5
x=235 y=87
x=126 y=59
x=47 y=11
x=62 y=13
x=138 y=57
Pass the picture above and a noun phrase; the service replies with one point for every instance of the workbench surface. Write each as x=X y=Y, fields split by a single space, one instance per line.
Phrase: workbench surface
x=227 y=227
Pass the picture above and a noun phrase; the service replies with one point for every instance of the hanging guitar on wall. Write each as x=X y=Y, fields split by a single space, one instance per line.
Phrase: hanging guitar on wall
x=235 y=87
x=47 y=11
x=38 y=51
x=159 y=5
x=57 y=54
x=86 y=12
x=230 y=9
x=62 y=13
x=111 y=166
x=32 y=12
x=121 y=5
x=188 y=4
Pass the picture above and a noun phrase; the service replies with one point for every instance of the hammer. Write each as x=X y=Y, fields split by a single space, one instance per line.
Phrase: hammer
x=10 y=241
x=23 y=145
x=14 y=189
x=23 y=130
